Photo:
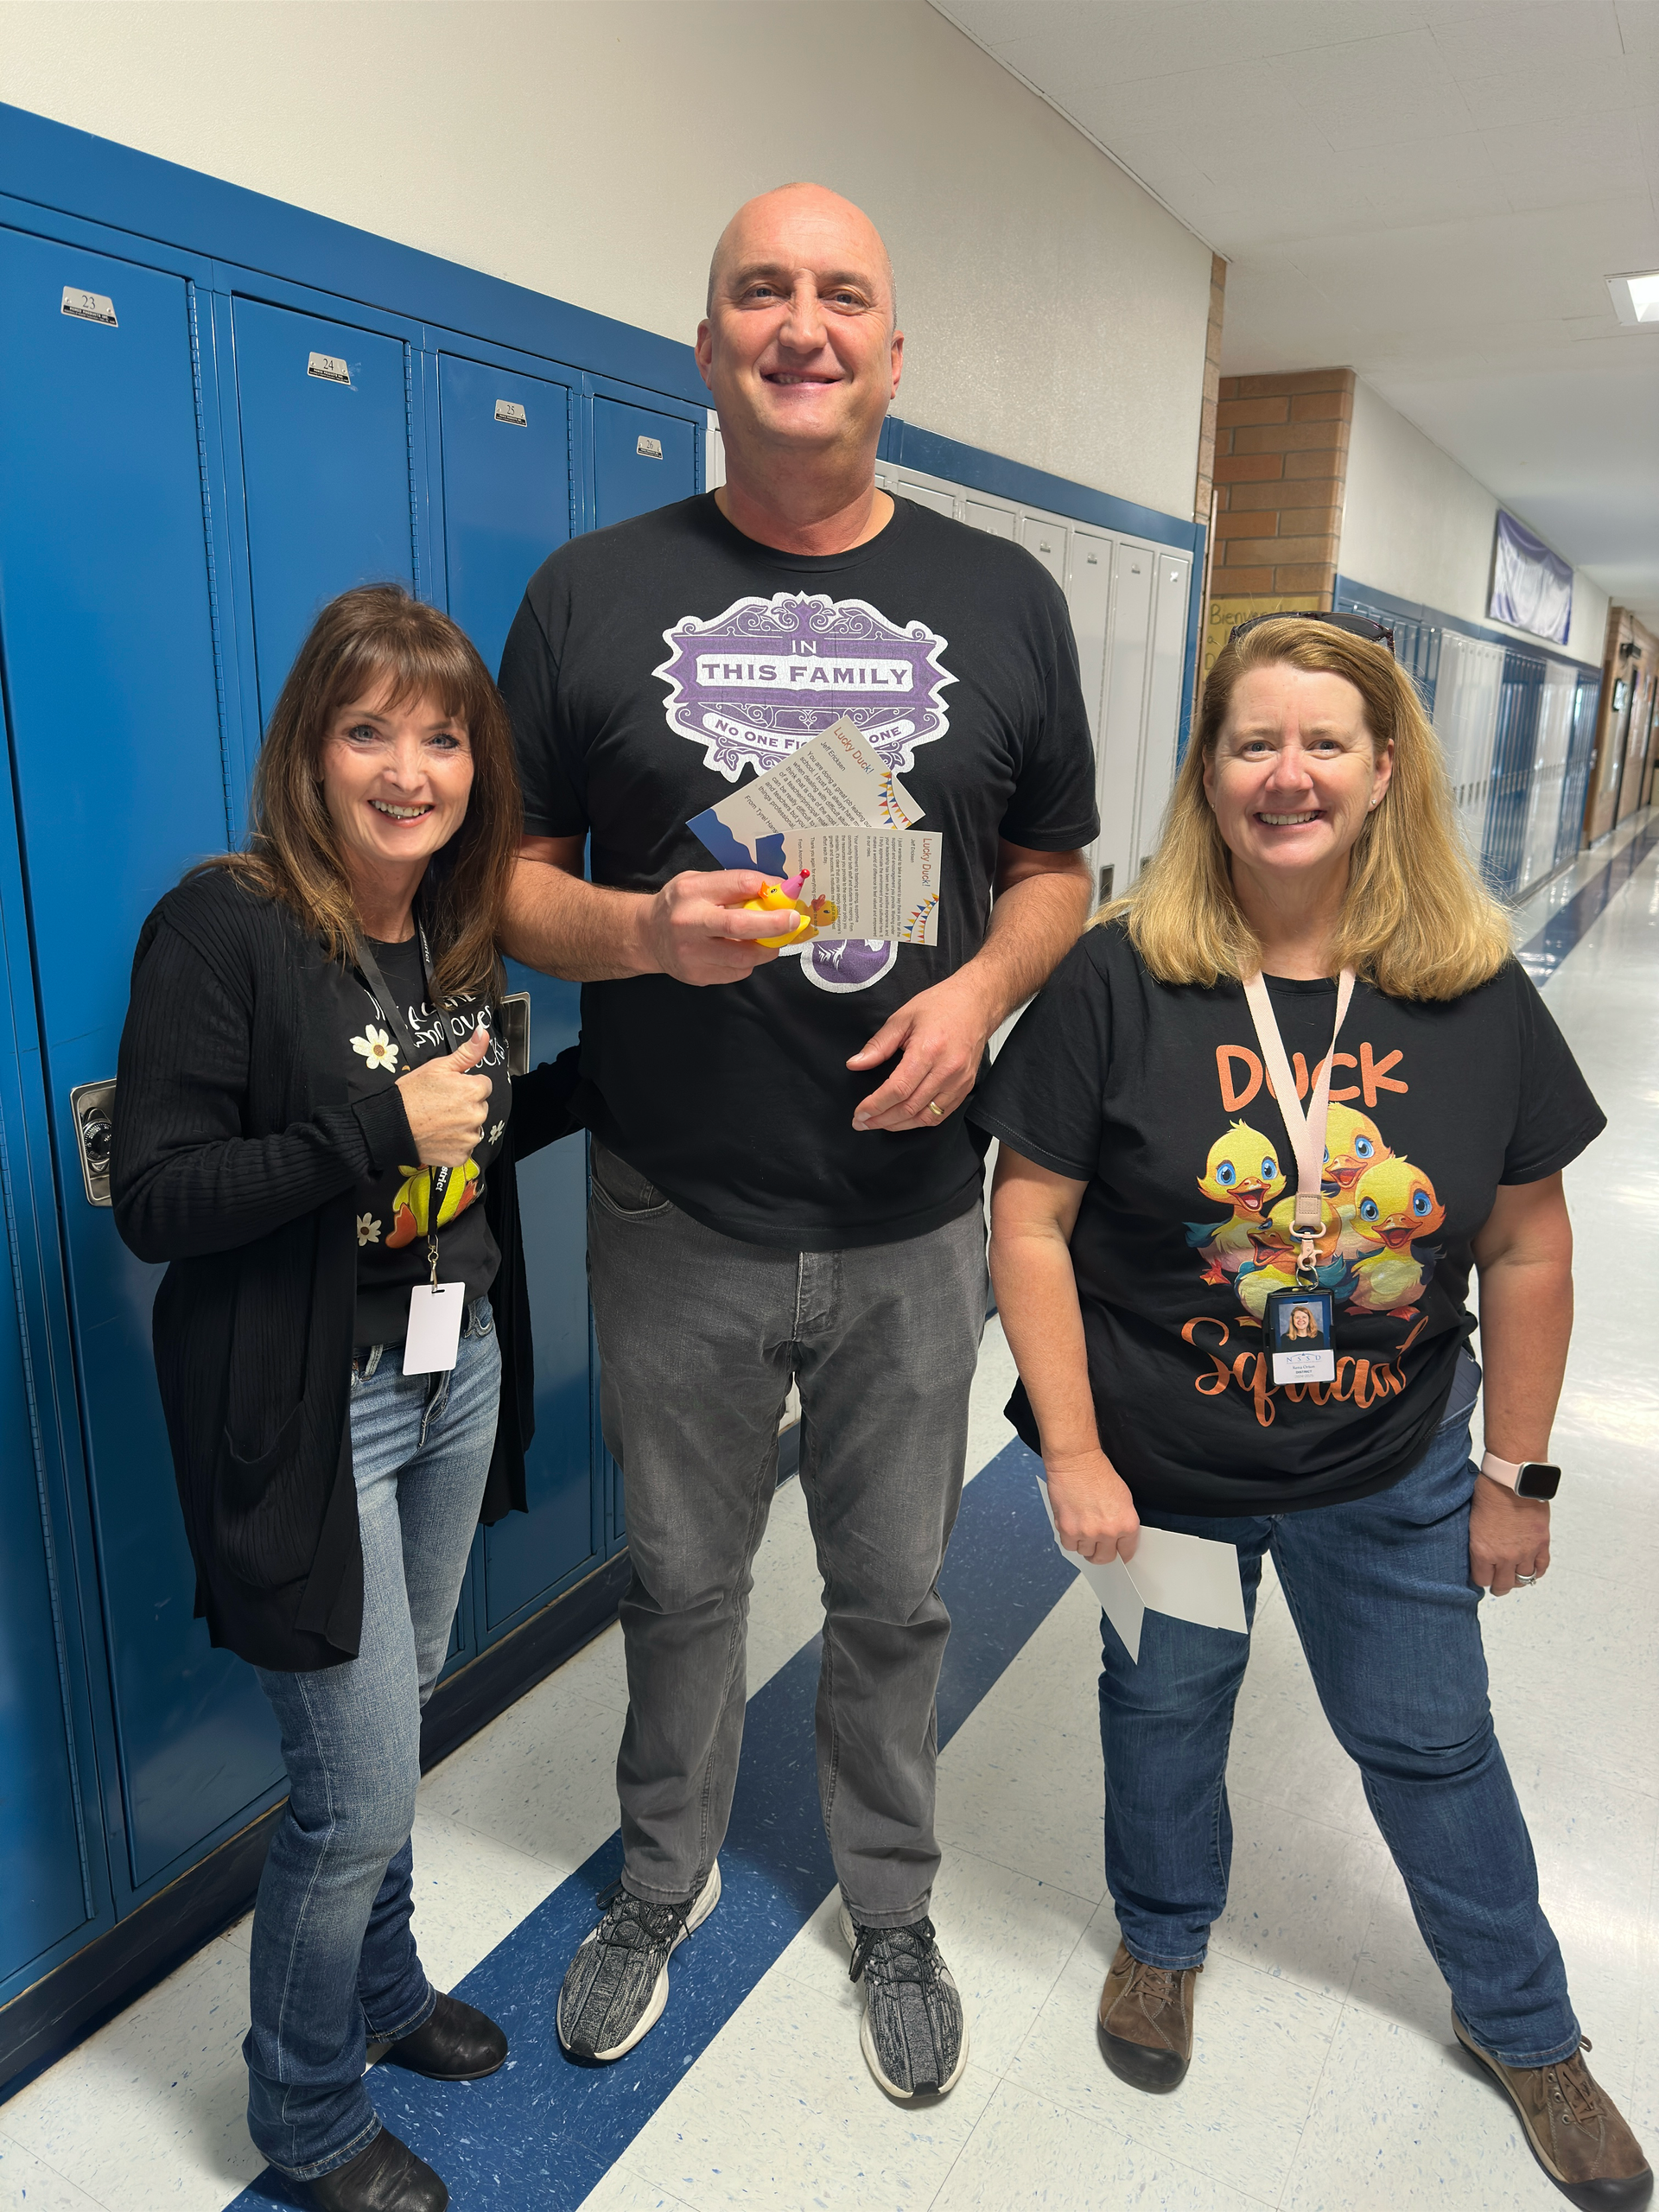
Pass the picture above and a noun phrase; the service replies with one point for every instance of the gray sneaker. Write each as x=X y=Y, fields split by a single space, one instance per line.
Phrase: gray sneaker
x=617 y=1985
x=914 y=2037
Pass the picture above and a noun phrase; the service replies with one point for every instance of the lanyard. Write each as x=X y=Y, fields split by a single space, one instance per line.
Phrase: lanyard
x=1306 y=1130
x=369 y=969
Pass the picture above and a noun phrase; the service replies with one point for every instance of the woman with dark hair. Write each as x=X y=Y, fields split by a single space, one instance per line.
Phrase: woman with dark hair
x=1310 y=929
x=317 y=1133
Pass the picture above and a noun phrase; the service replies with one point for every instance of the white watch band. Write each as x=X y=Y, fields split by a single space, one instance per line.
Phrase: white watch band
x=1506 y=1472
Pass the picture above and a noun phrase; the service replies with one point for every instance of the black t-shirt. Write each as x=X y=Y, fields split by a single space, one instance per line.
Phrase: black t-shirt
x=394 y=1211
x=1154 y=1095
x=653 y=665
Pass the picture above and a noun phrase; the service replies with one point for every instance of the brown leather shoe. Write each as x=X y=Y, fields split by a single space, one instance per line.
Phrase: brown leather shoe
x=1577 y=2133
x=1145 y=2022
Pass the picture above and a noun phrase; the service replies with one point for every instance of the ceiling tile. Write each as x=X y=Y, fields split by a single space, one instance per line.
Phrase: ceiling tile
x=1374 y=90
x=1478 y=43
x=1561 y=93
x=1638 y=25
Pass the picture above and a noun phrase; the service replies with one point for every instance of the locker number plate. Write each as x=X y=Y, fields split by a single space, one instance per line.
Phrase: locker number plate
x=509 y=410
x=90 y=307
x=329 y=367
x=648 y=448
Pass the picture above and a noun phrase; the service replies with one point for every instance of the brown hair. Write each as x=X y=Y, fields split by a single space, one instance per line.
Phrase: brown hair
x=1417 y=922
x=377 y=640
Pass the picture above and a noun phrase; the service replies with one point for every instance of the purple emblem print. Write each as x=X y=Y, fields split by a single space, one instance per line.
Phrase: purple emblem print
x=850 y=964
x=765 y=676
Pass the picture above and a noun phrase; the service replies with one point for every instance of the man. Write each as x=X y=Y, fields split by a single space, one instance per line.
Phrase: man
x=783 y=1187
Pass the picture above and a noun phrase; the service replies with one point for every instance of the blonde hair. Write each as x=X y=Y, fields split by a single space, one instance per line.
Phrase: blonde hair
x=1417 y=922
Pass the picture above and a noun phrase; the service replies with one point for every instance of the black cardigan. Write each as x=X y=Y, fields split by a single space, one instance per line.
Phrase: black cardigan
x=236 y=1160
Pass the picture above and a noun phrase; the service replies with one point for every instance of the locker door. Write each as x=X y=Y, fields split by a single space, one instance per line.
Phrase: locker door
x=998 y=521
x=324 y=413
x=120 y=784
x=928 y=495
x=1170 y=572
x=641 y=460
x=506 y=490
x=1118 y=759
x=1047 y=541
x=1089 y=595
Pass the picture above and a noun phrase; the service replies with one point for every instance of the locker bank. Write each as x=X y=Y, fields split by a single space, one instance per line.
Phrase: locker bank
x=216 y=412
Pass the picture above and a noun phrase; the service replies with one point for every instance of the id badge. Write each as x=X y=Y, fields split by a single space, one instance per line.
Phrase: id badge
x=435 y=1312
x=1302 y=1336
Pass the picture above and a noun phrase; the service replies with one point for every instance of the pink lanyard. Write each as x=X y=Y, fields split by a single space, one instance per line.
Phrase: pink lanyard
x=1306 y=1130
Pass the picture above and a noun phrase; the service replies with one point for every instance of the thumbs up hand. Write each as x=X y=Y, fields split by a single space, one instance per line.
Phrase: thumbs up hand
x=447 y=1103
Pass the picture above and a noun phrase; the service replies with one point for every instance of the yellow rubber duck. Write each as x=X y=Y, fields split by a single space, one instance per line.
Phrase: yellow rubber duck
x=784 y=898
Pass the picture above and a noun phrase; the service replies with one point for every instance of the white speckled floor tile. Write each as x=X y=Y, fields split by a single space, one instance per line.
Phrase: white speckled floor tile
x=989 y=1428
x=470 y=1892
x=1574 y=1668
x=1027 y=1795
x=1259 y=2044
x=623 y=2190
x=1283 y=1752
x=1300 y=1896
x=542 y=1777
x=1404 y=2124
x=781 y=2114
x=600 y=1670
x=1005 y=1937
x=150 y=2110
x=1028 y=2153
x=29 y=2185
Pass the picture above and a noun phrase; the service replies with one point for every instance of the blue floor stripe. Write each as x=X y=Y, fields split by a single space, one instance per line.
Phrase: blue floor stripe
x=1543 y=955
x=543 y=2131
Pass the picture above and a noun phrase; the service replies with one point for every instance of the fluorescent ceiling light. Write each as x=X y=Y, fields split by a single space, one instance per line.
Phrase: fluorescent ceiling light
x=1636 y=296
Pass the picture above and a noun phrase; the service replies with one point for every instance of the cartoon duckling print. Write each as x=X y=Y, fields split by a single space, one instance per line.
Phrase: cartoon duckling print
x=1394 y=1207
x=1276 y=1250
x=1352 y=1143
x=1242 y=1172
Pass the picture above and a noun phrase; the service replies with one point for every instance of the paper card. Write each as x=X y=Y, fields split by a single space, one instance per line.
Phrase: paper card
x=883 y=884
x=839 y=781
x=1191 y=1578
x=1110 y=1584
x=436 y=1313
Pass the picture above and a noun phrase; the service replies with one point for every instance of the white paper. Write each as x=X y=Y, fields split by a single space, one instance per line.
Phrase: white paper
x=436 y=1313
x=1190 y=1577
x=883 y=884
x=838 y=782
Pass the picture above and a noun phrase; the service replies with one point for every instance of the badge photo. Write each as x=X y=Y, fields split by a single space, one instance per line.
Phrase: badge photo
x=1300 y=1335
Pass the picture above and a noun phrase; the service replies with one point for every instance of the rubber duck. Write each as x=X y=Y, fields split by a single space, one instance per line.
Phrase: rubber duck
x=785 y=898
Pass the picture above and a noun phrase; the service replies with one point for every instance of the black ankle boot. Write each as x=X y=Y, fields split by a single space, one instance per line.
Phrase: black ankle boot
x=387 y=2177
x=458 y=2044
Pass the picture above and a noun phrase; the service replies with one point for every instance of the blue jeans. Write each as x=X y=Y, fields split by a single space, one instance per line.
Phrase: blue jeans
x=1380 y=1594
x=335 y=1964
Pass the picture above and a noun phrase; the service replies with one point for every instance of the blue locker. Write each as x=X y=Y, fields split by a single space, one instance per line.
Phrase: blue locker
x=506 y=505
x=325 y=418
x=1519 y=701
x=506 y=490
x=120 y=784
x=641 y=460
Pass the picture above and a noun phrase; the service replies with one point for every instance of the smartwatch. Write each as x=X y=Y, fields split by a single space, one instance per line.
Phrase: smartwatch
x=1526 y=1478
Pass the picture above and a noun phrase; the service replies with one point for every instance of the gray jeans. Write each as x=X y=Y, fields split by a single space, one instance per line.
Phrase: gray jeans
x=699 y=1337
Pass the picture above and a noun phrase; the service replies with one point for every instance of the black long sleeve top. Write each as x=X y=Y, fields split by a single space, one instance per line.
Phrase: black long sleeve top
x=236 y=1157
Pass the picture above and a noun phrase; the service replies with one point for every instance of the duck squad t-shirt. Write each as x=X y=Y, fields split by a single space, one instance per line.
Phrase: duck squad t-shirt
x=1155 y=1097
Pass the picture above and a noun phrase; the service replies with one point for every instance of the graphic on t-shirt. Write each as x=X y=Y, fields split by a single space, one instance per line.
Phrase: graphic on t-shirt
x=1243 y=1170
x=751 y=684
x=1395 y=1208
x=412 y=1208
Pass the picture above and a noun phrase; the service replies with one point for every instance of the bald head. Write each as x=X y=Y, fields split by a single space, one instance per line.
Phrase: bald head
x=818 y=219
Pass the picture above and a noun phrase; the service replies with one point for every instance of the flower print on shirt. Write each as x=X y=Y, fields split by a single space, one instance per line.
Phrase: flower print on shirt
x=494 y=1136
x=368 y=1230
x=376 y=1046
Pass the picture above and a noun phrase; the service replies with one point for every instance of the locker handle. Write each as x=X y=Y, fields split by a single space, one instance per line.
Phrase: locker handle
x=92 y=1105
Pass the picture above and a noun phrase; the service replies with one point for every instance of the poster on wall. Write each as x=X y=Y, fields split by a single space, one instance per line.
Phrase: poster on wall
x=1532 y=588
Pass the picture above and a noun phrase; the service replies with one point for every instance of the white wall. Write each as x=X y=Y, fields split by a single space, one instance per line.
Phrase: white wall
x=1055 y=313
x=1415 y=524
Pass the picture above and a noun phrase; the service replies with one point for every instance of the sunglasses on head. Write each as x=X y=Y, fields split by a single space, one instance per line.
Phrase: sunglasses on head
x=1358 y=626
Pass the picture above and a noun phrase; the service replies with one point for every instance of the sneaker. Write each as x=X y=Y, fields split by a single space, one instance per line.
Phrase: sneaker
x=617 y=1985
x=1145 y=2022
x=1576 y=2130
x=914 y=2037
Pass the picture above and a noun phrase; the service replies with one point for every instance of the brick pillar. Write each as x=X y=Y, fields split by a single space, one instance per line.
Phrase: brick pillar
x=1202 y=490
x=1282 y=461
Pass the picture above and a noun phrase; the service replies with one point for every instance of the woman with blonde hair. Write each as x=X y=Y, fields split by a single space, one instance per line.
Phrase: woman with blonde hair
x=1310 y=929
x=317 y=1134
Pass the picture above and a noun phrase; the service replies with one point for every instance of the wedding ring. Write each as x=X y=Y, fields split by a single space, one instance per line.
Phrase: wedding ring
x=933 y=1107
x=1525 y=1581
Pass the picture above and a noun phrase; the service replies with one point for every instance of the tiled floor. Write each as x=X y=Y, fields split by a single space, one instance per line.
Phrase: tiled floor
x=1324 y=2075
